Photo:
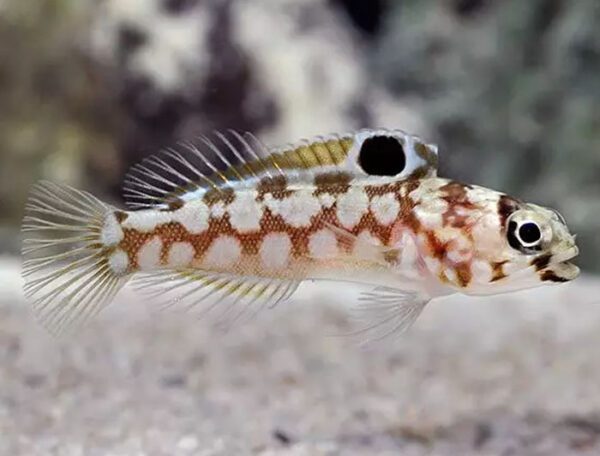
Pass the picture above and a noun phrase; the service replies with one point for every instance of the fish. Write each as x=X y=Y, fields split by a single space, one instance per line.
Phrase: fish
x=227 y=226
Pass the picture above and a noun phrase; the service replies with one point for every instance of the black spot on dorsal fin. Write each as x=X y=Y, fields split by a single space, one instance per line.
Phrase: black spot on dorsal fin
x=382 y=156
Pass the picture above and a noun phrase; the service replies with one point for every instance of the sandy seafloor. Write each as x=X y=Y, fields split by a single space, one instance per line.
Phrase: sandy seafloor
x=509 y=375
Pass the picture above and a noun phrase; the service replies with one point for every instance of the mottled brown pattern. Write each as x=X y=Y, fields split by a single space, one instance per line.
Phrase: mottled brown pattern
x=498 y=271
x=463 y=274
x=541 y=262
x=455 y=194
x=175 y=204
x=550 y=276
x=420 y=172
x=223 y=195
x=407 y=205
x=405 y=213
x=270 y=223
x=335 y=182
x=506 y=206
x=272 y=184
x=369 y=222
x=392 y=256
x=437 y=248
x=121 y=216
x=382 y=189
x=276 y=187
x=427 y=154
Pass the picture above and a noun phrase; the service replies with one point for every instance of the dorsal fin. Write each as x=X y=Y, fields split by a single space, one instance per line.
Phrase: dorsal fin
x=234 y=159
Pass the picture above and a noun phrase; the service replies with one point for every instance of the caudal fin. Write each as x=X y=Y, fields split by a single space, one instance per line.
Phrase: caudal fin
x=68 y=278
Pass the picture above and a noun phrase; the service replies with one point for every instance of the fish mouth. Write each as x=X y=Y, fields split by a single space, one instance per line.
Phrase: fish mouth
x=559 y=268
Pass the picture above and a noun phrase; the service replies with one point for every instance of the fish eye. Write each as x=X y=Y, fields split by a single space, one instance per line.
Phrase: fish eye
x=525 y=236
x=530 y=234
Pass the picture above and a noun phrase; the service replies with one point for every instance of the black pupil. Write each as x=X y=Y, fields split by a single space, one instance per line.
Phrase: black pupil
x=382 y=156
x=530 y=233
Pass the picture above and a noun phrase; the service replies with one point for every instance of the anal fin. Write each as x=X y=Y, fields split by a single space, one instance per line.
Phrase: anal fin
x=223 y=297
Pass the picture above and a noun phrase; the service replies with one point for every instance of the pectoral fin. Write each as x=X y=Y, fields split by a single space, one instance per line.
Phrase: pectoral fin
x=362 y=248
x=386 y=312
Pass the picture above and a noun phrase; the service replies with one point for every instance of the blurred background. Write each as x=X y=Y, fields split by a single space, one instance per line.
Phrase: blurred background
x=509 y=89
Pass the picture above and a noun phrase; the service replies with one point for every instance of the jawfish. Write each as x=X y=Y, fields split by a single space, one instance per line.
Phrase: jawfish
x=229 y=226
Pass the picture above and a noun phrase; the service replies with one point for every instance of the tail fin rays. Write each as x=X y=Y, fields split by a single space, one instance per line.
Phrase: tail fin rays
x=66 y=270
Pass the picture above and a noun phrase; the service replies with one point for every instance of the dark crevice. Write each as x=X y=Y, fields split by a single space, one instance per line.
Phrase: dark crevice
x=130 y=39
x=366 y=15
x=468 y=8
x=178 y=6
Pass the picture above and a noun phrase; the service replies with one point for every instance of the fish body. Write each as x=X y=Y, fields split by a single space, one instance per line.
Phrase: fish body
x=244 y=228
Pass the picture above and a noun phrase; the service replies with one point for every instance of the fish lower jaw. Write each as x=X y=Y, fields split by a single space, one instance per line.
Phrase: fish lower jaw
x=560 y=272
x=561 y=269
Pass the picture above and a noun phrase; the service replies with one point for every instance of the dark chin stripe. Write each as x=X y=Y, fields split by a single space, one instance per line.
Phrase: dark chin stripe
x=550 y=276
x=542 y=261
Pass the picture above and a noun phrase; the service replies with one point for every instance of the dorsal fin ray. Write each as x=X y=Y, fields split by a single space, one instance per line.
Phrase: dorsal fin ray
x=233 y=159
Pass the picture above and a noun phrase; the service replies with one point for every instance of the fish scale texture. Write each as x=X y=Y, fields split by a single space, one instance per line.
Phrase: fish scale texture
x=515 y=373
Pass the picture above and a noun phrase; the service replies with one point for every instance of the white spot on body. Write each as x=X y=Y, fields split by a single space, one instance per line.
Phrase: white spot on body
x=180 y=254
x=297 y=209
x=366 y=245
x=224 y=252
x=511 y=267
x=478 y=195
x=430 y=212
x=385 y=208
x=327 y=200
x=275 y=250
x=118 y=262
x=245 y=212
x=433 y=265
x=111 y=233
x=482 y=271
x=146 y=220
x=409 y=256
x=427 y=189
x=149 y=254
x=485 y=232
x=272 y=204
x=218 y=210
x=351 y=206
x=193 y=215
x=459 y=248
x=367 y=237
x=323 y=244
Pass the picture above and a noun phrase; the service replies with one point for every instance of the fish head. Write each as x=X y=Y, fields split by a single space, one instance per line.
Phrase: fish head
x=520 y=245
x=479 y=241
